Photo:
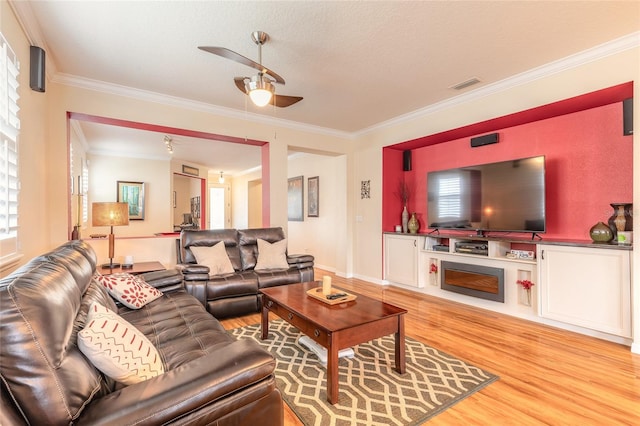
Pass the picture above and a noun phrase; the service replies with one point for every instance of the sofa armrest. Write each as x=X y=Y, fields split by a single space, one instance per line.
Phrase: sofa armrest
x=168 y=280
x=186 y=389
x=300 y=261
x=193 y=271
x=294 y=259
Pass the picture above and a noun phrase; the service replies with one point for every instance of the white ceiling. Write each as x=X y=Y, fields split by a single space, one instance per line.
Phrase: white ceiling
x=356 y=63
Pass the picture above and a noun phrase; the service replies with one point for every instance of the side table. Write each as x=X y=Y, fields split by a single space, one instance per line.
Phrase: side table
x=135 y=269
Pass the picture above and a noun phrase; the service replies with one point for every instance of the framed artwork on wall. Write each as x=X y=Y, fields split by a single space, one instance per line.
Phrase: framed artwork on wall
x=132 y=193
x=188 y=170
x=313 y=191
x=295 y=199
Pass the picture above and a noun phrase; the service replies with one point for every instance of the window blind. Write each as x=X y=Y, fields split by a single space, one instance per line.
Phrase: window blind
x=9 y=131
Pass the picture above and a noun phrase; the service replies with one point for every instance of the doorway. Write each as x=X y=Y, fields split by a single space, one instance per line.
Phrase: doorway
x=219 y=206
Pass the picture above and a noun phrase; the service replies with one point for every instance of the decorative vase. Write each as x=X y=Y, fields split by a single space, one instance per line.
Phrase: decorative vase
x=621 y=219
x=405 y=219
x=601 y=233
x=413 y=224
x=75 y=234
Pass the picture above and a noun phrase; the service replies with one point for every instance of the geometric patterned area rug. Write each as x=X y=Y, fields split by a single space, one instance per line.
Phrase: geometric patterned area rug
x=371 y=391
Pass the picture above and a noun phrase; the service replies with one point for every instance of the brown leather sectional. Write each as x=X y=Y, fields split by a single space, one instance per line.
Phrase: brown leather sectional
x=210 y=377
x=237 y=293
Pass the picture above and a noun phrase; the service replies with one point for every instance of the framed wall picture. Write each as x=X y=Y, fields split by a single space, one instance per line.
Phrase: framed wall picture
x=295 y=199
x=188 y=170
x=313 y=201
x=132 y=193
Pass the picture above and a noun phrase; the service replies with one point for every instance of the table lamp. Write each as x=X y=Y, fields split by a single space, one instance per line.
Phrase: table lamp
x=110 y=214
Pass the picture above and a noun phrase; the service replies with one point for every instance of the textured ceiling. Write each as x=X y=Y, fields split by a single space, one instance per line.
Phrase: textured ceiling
x=357 y=64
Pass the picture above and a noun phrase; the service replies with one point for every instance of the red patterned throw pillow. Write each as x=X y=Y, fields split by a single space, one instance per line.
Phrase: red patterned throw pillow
x=117 y=348
x=130 y=290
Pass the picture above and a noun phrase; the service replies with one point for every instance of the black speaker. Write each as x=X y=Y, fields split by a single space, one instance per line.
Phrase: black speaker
x=37 y=76
x=406 y=160
x=484 y=140
x=627 y=117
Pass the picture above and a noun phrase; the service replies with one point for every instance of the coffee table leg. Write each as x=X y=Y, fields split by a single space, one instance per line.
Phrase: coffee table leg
x=332 y=372
x=400 y=348
x=264 y=322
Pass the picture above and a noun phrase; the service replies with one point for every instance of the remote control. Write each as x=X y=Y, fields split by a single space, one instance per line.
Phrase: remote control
x=336 y=296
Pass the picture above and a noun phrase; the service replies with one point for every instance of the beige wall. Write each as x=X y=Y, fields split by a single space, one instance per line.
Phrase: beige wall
x=35 y=147
x=105 y=171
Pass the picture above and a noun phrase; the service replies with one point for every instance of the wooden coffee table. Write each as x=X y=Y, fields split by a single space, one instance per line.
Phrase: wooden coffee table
x=337 y=326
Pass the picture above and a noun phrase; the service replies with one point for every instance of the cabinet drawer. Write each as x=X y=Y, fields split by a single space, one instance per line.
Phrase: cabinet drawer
x=316 y=333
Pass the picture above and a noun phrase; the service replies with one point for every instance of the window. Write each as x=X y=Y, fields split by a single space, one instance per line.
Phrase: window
x=9 y=130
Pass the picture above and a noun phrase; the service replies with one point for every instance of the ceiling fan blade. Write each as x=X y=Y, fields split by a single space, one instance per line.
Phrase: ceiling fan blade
x=230 y=54
x=281 y=101
x=284 y=101
x=240 y=84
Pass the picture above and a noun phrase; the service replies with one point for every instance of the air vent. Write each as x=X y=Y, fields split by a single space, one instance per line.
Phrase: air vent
x=465 y=84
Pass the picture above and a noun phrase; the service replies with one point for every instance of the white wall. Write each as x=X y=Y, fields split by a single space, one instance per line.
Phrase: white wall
x=105 y=171
x=324 y=236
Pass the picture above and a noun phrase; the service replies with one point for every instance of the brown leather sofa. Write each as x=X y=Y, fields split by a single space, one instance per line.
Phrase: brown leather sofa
x=237 y=293
x=210 y=377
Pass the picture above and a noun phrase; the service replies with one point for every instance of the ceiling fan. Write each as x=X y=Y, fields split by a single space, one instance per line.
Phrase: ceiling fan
x=259 y=87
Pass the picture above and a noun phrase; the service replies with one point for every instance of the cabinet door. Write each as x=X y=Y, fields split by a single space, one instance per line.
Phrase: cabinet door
x=587 y=287
x=401 y=259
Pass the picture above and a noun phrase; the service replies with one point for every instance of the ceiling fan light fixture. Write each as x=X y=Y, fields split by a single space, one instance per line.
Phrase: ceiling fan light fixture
x=260 y=90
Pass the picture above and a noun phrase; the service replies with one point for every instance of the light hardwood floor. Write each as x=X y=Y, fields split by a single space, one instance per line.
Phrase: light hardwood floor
x=547 y=375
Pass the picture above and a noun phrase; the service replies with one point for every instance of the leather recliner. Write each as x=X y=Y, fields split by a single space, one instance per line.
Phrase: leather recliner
x=237 y=293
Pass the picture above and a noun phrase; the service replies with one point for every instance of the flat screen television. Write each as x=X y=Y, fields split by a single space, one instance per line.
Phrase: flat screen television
x=504 y=196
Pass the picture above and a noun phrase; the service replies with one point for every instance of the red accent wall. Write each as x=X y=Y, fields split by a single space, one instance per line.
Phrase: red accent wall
x=589 y=164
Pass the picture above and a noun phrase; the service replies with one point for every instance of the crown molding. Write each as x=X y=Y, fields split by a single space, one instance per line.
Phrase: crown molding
x=159 y=98
x=613 y=47
x=31 y=29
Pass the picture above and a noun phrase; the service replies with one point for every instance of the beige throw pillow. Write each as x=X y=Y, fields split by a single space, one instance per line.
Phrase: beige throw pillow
x=216 y=258
x=272 y=256
x=117 y=348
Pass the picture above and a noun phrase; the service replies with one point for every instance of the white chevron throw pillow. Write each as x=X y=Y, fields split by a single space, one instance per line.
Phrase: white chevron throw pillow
x=117 y=348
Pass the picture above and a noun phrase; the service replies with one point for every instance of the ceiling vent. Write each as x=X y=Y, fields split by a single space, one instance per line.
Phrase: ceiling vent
x=465 y=84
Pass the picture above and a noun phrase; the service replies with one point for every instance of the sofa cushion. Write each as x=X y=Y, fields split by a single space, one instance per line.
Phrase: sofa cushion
x=248 y=240
x=128 y=289
x=179 y=327
x=272 y=256
x=215 y=258
x=117 y=348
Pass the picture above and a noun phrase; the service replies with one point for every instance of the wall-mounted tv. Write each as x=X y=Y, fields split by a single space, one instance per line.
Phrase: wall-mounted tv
x=503 y=196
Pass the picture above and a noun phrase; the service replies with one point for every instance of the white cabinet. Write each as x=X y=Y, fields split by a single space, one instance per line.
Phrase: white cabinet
x=401 y=253
x=587 y=287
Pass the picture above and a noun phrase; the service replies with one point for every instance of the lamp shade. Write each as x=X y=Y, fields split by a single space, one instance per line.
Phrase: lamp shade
x=260 y=90
x=109 y=214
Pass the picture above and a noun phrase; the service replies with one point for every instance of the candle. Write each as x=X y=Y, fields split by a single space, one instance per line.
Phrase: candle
x=326 y=285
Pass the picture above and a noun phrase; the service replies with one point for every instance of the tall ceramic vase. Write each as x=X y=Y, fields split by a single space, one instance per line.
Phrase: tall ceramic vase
x=621 y=219
x=405 y=220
